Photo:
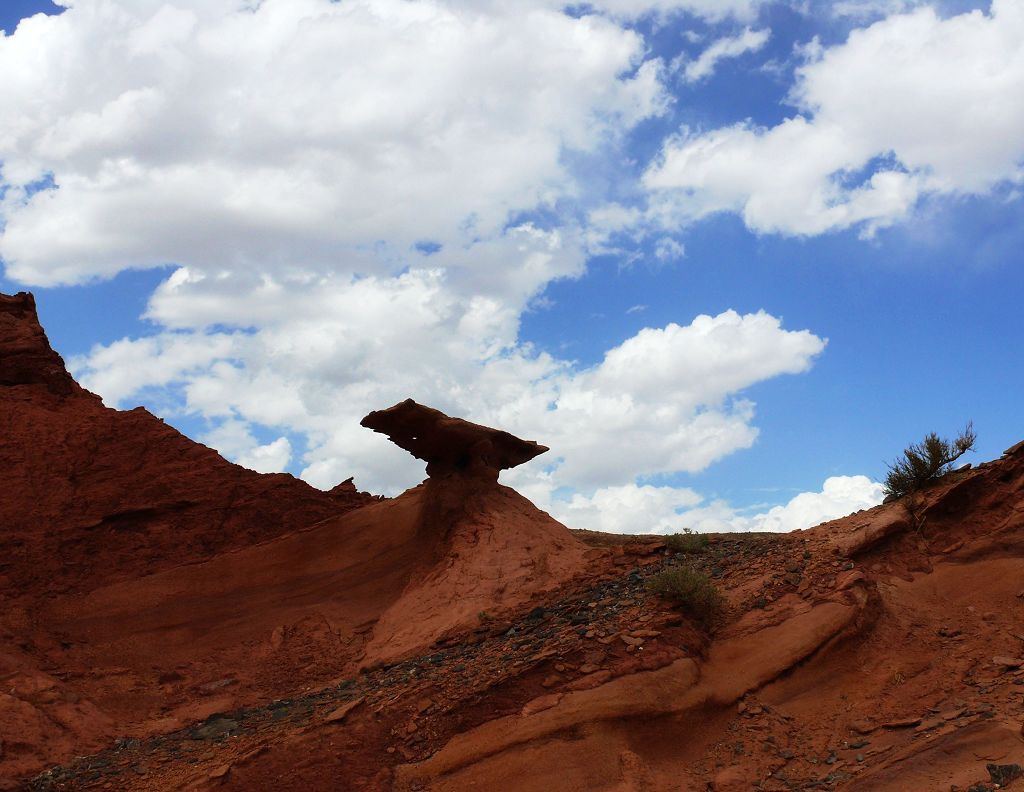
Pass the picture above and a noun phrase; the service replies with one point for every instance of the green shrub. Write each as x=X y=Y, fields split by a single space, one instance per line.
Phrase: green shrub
x=691 y=589
x=686 y=542
x=926 y=461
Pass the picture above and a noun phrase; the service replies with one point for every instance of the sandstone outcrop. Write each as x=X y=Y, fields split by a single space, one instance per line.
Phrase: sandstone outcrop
x=451 y=446
x=169 y=621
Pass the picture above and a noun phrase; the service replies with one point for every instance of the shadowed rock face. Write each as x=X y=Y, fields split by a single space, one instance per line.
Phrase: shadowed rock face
x=25 y=354
x=451 y=446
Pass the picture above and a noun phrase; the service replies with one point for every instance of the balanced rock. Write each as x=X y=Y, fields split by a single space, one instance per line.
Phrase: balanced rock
x=451 y=446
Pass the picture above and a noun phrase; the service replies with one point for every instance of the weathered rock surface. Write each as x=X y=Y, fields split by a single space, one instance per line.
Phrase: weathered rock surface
x=451 y=446
x=26 y=357
x=165 y=583
x=457 y=638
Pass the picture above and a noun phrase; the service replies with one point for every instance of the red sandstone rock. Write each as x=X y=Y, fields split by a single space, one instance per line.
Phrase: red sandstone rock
x=451 y=445
x=245 y=580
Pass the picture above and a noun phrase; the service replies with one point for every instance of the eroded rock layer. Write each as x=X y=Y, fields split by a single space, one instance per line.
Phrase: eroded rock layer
x=456 y=637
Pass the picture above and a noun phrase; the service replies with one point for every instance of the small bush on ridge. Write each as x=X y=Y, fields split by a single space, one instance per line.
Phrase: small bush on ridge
x=692 y=589
x=686 y=542
x=926 y=461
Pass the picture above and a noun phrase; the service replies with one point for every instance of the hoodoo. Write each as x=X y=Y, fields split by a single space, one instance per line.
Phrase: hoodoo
x=485 y=546
x=451 y=446
x=171 y=621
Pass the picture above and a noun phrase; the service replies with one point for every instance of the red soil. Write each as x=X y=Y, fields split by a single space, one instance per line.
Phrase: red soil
x=246 y=632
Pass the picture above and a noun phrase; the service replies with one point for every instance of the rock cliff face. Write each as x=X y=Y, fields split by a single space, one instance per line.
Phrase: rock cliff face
x=145 y=581
x=93 y=495
x=26 y=357
x=170 y=621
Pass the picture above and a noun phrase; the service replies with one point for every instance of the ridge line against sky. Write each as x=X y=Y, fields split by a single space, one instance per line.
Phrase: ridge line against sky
x=724 y=258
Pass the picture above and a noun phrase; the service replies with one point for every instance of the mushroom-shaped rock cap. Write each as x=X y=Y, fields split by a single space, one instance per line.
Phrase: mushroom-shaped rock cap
x=450 y=445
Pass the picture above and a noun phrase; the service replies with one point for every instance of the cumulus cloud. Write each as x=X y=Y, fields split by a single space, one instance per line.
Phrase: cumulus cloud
x=666 y=400
x=205 y=133
x=664 y=510
x=342 y=193
x=235 y=439
x=839 y=496
x=704 y=65
x=913 y=105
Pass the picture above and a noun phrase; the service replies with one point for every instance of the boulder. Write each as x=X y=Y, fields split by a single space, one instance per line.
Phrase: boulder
x=451 y=446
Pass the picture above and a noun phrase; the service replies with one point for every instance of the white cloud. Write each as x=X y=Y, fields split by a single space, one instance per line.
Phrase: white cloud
x=710 y=10
x=668 y=249
x=704 y=65
x=913 y=105
x=628 y=509
x=205 y=134
x=288 y=158
x=665 y=400
x=234 y=438
x=839 y=496
x=871 y=9
x=636 y=509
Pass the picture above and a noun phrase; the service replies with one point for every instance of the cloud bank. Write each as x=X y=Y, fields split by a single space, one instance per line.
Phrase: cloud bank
x=913 y=106
x=357 y=202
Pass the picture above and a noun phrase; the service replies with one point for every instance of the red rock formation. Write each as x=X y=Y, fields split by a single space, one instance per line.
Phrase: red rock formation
x=161 y=582
x=882 y=652
x=451 y=446
x=93 y=494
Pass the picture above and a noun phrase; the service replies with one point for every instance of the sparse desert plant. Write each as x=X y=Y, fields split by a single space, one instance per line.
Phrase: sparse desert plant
x=686 y=542
x=692 y=589
x=926 y=461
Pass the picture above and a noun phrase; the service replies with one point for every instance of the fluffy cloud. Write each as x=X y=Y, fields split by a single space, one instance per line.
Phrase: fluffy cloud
x=665 y=400
x=664 y=510
x=204 y=133
x=234 y=438
x=730 y=47
x=342 y=191
x=913 y=105
x=839 y=496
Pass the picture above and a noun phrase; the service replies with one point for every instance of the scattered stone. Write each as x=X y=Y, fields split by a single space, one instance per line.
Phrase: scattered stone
x=339 y=713
x=220 y=773
x=214 y=728
x=590 y=680
x=1004 y=774
x=219 y=684
x=541 y=703
x=901 y=723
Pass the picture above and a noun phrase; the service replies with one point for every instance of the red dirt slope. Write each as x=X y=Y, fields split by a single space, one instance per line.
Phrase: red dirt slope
x=456 y=638
x=147 y=583
x=880 y=653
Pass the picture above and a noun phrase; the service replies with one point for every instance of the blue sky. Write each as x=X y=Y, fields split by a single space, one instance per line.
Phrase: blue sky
x=262 y=224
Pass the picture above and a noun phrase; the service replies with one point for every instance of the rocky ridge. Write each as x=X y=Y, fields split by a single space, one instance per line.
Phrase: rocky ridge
x=457 y=638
